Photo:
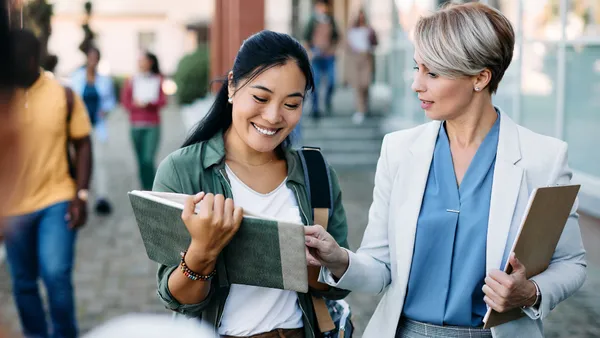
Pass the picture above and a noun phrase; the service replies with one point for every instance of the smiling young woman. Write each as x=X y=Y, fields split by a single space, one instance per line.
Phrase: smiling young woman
x=238 y=157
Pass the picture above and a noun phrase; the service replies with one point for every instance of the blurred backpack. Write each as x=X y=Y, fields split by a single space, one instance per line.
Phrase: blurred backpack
x=333 y=316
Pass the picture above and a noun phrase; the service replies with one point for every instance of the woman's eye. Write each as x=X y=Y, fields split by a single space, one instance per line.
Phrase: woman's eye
x=292 y=106
x=415 y=68
x=433 y=75
x=259 y=99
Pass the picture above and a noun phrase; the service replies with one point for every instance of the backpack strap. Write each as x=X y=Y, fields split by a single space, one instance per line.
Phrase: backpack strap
x=70 y=98
x=318 y=188
x=318 y=182
x=70 y=102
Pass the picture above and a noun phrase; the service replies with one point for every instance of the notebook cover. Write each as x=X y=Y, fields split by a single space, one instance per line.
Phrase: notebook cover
x=263 y=252
x=548 y=211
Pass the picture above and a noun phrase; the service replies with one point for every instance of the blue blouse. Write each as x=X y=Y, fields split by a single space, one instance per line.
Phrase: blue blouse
x=448 y=265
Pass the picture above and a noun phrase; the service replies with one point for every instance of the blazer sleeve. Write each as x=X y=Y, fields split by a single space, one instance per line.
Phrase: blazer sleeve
x=567 y=270
x=369 y=268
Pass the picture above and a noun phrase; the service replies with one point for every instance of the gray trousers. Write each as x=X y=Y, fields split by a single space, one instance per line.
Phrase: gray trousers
x=412 y=329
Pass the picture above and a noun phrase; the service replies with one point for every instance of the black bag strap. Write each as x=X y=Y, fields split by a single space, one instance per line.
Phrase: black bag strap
x=318 y=189
x=70 y=98
x=70 y=102
x=316 y=178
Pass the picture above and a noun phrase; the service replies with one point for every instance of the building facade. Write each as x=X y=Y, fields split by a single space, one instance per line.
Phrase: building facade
x=126 y=27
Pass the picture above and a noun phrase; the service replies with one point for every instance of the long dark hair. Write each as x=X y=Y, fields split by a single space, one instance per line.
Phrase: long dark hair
x=155 y=68
x=258 y=53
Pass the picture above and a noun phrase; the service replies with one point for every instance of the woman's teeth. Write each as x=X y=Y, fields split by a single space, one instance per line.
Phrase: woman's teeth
x=267 y=132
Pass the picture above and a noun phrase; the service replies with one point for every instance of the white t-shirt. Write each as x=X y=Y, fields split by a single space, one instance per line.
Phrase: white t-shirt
x=251 y=310
x=358 y=39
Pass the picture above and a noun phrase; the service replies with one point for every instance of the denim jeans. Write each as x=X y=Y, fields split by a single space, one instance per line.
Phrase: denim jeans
x=41 y=244
x=323 y=65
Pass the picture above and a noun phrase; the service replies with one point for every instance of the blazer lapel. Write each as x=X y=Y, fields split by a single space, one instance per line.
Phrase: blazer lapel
x=412 y=187
x=505 y=192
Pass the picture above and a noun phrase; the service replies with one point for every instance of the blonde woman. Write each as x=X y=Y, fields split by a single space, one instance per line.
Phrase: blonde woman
x=449 y=196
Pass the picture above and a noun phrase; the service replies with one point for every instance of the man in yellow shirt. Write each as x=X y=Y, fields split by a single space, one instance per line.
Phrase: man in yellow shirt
x=48 y=205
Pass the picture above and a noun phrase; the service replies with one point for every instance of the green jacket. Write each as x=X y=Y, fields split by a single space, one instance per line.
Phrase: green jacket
x=201 y=167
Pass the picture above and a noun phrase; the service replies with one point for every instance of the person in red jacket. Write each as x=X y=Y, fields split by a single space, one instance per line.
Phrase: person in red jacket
x=143 y=97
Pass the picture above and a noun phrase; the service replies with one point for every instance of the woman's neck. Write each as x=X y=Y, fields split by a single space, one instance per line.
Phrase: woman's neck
x=470 y=128
x=237 y=150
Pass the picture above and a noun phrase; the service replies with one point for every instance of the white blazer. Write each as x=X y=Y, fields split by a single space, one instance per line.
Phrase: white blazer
x=525 y=160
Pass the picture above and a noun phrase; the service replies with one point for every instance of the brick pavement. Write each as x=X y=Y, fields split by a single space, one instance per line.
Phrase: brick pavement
x=114 y=277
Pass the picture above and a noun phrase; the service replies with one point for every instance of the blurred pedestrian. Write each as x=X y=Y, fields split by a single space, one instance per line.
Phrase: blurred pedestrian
x=98 y=93
x=143 y=97
x=8 y=131
x=8 y=128
x=49 y=205
x=361 y=40
x=321 y=38
x=241 y=151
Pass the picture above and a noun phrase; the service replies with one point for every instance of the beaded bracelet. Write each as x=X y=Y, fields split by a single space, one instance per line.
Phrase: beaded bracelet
x=191 y=274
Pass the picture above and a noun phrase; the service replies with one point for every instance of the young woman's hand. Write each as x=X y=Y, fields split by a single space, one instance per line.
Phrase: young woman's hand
x=212 y=227
x=323 y=250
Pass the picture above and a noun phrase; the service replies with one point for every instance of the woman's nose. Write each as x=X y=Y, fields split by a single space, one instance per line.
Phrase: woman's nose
x=417 y=85
x=272 y=114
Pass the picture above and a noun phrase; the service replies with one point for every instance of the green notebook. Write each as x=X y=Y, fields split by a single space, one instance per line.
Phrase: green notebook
x=264 y=252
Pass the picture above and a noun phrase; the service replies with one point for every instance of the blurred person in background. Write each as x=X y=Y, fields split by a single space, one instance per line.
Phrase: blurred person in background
x=8 y=131
x=143 y=97
x=321 y=38
x=98 y=93
x=361 y=41
x=49 y=205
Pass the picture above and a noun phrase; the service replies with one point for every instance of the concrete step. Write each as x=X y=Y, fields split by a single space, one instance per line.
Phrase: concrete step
x=346 y=146
x=355 y=161
x=312 y=134
x=337 y=121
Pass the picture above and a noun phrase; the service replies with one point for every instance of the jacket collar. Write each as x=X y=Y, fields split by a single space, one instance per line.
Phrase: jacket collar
x=213 y=154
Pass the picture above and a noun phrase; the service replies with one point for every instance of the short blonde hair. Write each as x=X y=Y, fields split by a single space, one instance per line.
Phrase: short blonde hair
x=464 y=39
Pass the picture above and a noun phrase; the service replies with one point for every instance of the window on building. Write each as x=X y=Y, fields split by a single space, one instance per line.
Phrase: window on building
x=146 y=40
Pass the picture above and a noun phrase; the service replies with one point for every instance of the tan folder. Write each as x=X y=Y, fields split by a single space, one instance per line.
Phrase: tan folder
x=534 y=245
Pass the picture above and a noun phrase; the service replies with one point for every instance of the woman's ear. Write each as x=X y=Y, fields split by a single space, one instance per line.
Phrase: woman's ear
x=482 y=80
x=230 y=86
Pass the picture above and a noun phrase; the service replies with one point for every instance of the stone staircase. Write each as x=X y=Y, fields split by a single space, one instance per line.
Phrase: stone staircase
x=346 y=145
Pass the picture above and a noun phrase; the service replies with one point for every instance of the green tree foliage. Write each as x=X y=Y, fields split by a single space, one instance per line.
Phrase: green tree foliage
x=192 y=75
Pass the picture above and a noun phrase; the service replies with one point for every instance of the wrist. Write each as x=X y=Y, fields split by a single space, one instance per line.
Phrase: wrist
x=82 y=195
x=534 y=295
x=199 y=261
x=339 y=269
